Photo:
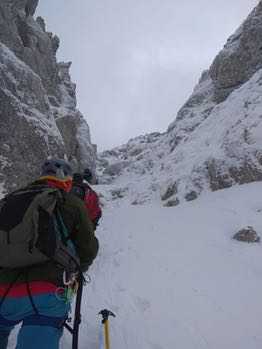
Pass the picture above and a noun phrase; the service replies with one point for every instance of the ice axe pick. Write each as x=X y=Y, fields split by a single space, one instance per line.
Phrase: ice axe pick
x=105 y=321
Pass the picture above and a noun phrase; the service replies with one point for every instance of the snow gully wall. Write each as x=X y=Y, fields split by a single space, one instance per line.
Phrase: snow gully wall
x=38 y=115
x=215 y=140
x=218 y=128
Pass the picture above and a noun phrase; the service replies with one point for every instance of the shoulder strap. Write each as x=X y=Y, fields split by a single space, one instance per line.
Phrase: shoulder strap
x=62 y=228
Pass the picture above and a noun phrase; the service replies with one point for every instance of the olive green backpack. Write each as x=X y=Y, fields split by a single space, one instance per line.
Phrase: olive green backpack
x=32 y=230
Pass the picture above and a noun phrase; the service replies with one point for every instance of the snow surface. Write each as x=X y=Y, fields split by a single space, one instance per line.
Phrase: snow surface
x=175 y=278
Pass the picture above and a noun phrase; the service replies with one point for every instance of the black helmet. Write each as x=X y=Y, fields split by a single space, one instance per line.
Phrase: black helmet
x=87 y=175
x=57 y=167
x=78 y=178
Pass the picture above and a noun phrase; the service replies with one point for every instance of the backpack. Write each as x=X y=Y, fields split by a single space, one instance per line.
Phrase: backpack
x=32 y=229
x=90 y=197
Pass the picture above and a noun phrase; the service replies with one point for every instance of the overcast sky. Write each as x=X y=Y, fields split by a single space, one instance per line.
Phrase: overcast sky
x=135 y=62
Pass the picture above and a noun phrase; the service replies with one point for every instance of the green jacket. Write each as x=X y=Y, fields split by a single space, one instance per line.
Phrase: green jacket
x=81 y=229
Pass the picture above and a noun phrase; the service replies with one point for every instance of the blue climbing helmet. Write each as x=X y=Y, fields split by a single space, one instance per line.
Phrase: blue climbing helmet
x=58 y=168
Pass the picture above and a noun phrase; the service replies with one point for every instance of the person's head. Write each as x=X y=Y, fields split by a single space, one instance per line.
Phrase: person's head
x=78 y=178
x=59 y=172
x=87 y=175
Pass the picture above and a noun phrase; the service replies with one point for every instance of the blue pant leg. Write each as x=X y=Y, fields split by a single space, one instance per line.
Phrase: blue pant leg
x=36 y=333
x=38 y=337
x=4 y=334
x=33 y=336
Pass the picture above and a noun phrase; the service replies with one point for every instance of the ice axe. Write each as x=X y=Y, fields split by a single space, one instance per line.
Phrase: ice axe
x=105 y=316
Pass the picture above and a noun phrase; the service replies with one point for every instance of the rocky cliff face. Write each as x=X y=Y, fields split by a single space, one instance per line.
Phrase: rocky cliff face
x=240 y=58
x=215 y=140
x=38 y=115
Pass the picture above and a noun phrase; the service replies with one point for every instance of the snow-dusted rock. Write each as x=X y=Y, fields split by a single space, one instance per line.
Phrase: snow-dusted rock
x=194 y=111
x=247 y=234
x=240 y=58
x=38 y=114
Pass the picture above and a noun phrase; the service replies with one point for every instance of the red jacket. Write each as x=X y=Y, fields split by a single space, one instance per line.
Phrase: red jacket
x=92 y=204
x=90 y=197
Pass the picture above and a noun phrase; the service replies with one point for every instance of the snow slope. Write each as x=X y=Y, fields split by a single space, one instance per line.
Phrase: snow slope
x=174 y=276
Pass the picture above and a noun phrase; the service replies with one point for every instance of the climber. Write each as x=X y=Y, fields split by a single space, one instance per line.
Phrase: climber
x=83 y=190
x=31 y=295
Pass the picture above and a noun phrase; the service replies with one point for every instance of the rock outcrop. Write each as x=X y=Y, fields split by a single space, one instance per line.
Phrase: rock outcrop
x=240 y=58
x=38 y=115
x=247 y=234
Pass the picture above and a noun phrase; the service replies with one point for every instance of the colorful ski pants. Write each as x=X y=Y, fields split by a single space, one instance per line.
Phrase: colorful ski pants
x=41 y=328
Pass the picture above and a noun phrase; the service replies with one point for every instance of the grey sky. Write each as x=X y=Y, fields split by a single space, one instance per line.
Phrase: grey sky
x=135 y=62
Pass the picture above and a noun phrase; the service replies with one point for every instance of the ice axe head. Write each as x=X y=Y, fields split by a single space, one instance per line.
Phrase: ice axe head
x=105 y=315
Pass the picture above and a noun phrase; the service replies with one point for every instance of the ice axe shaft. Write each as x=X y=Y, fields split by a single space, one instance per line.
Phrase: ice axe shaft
x=105 y=316
x=107 y=341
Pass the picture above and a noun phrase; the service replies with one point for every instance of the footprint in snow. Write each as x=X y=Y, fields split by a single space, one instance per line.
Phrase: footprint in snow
x=142 y=304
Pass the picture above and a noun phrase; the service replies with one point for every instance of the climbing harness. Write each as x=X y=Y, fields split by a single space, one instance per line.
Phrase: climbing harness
x=36 y=318
x=105 y=321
